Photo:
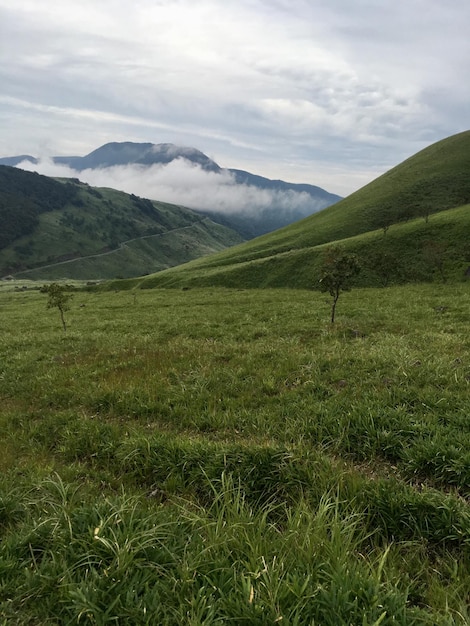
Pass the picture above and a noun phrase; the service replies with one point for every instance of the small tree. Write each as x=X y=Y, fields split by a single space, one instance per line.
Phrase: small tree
x=57 y=297
x=337 y=271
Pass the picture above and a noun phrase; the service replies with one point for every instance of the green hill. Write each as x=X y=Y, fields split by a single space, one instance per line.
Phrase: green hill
x=406 y=225
x=67 y=229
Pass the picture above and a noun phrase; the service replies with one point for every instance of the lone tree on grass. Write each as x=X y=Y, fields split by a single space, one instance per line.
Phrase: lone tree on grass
x=58 y=297
x=337 y=271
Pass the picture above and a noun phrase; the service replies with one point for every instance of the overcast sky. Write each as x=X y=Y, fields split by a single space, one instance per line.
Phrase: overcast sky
x=327 y=92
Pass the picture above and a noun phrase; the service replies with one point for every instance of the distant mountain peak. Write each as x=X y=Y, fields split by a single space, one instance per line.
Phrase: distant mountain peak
x=128 y=152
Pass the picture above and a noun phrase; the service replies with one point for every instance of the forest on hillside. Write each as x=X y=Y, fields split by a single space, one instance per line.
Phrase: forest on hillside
x=23 y=197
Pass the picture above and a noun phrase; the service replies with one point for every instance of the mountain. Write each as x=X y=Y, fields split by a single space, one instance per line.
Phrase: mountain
x=16 y=160
x=402 y=225
x=274 y=203
x=125 y=153
x=67 y=229
x=128 y=153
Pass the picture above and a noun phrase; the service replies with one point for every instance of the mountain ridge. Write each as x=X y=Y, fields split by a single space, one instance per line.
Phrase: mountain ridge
x=302 y=199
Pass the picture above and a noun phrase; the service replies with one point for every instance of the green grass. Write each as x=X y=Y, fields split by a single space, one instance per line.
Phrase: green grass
x=434 y=251
x=217 y=455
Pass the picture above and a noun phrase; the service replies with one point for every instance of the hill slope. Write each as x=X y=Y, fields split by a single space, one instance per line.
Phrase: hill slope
x=46 y=222
x=434 y=180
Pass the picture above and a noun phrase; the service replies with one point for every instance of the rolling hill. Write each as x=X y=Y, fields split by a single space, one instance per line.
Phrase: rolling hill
x=405 y=224
x=54 y=229
x=271 y=204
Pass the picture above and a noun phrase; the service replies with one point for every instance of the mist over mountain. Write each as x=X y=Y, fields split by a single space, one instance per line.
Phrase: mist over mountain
x=250 y=204
x=63 y=228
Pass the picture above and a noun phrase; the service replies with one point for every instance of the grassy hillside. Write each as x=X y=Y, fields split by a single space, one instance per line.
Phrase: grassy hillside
x=48 y=222
x=410 y=201
x=142 y=255
x=437 y=250
x=225 y=456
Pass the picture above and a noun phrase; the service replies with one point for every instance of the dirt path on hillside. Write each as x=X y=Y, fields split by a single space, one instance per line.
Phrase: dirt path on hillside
x=122 y=245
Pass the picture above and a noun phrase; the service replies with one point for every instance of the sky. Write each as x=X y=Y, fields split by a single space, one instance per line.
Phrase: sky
x=327 y=92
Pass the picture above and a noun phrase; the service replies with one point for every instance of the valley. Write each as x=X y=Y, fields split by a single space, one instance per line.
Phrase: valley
x=203 y=445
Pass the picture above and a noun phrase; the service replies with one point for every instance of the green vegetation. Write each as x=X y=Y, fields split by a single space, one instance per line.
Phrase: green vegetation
x=53 y=230
x=338 y=269
x=227 y=456
x=409 y=225
x=24 y=196
x=418 y=207
x=58 y=297
x=400 y=257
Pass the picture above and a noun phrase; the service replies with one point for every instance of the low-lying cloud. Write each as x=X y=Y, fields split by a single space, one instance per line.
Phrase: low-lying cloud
x=181 y=182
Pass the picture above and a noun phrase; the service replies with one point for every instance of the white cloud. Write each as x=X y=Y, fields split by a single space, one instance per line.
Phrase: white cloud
x=358 y=86
x=182 y=183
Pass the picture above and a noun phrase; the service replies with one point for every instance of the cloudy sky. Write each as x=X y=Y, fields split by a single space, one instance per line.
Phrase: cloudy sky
x=327 y=92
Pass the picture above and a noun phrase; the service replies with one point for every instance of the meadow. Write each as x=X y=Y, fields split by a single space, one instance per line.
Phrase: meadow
x=227 y=456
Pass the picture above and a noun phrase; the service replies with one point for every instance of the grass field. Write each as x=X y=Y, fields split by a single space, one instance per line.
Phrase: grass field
x=216 y=456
